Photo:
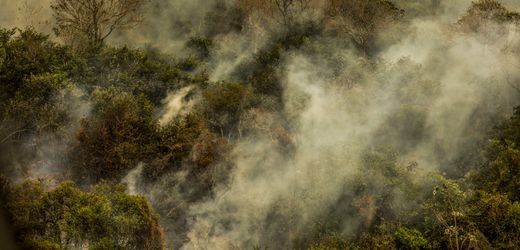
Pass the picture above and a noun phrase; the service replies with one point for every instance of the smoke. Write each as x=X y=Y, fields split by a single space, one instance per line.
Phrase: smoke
x=43 y=155
x=25 y=13
x=233 y=50
x=429 y=96
x=444 y=10
x=176 y=104
x=132 y=179
x=168 y=25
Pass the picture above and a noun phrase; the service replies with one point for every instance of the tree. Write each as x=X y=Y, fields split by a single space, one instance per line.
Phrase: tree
x=501 y=170
x=483 y=12
x=498 y=218
x=67 y=218
x=118 y=134
x=174 y=146
x=36 y=95
x=362 y=19
x=406 y=238
x=287 y=13
x=24 y=53
x=223 y=105
x=85 y=24
x=33 y=86
x=40 y=105
x=289 y=10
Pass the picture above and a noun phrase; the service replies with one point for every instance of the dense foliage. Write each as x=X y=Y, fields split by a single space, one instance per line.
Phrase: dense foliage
x=75 y=124
x=66 y=217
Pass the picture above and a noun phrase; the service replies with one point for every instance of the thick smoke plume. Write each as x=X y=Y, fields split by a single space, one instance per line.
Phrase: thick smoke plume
x=428 y=96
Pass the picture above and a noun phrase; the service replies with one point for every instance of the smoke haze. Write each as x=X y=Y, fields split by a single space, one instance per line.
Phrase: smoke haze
x=24 y=13
x=336 y=125
x=407 y=100
x=428 y=95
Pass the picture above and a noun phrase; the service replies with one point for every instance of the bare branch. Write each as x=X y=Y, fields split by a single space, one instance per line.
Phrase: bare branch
x=87 y=23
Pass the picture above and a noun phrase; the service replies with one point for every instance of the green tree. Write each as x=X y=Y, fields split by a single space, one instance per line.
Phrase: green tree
x=117 y=135
x=498 y=218
x=41 y=104
x=25 y=53
x=222 y=105
x=406 y=238
x=66 y=217
x=33 y=84
x=174 y=147
x=500 y=172
x=447 y=220
x=37 y=99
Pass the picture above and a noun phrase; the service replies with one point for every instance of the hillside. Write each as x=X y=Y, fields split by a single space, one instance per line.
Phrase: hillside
x=260 y=124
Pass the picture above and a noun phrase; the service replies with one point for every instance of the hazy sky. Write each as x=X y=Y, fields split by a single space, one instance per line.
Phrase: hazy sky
x=20 y=13
x=37 y=12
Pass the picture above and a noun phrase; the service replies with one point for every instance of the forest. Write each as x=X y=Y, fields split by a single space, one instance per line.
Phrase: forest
x=259 y=124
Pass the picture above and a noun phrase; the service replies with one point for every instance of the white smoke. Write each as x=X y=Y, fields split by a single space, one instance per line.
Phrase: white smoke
x=175 y=105
x=25 y=13
x=132 y=179
x=459 y=81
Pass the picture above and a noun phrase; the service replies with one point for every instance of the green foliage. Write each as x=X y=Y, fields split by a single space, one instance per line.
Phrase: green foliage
x=175 y=146
x=501 y=171
x=37 y=101
x=25 y=53
x=39 y=242
x=201 y=46
x=330 y=241
x=223 y=103
x=498 y=217
x=132 y=70
x=377 y=241
x=390 y=205
x=118 y=134
x=34 y=91
x=66 y=217
x=41 y=104
x=446 y=210
x=406 y=238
